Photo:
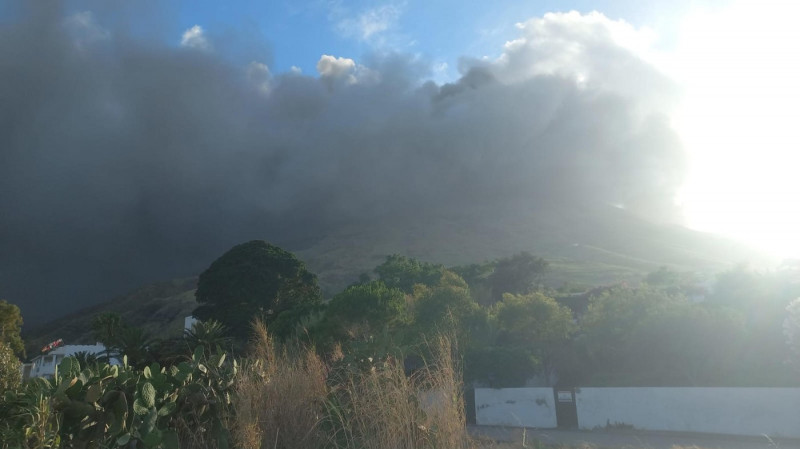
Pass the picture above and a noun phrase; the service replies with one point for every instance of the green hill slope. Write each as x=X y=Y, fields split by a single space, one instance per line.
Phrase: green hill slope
x=595 y=246
x=589 y=247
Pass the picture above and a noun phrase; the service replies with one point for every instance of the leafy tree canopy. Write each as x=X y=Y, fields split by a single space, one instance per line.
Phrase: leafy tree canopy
x=689 y=344
x=11 y=326
x=404 y=272
x=617 y=310
x=366 y=309
x=608 y=328
x=499 y=366
x=517 y=274
x=447 y=305
x=536 y=323
x=253 y=279
x=10 y=375
x=477 y=276
x=475 y=273
x=533 y=320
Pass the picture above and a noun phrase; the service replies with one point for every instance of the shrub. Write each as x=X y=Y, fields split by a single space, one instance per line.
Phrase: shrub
x=10 y=374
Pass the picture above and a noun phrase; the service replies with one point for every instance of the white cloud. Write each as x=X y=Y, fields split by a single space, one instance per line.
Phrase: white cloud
x=333 y=70
x=591 y=50
x=377 y=20
x=440 y=72
x=195 y=37
x=573 y=44
x=259 y=75
x=369 y=25
x=332 y=67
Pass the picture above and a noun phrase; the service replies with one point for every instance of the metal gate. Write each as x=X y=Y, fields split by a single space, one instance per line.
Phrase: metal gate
x=469 y=405
x=566 y=410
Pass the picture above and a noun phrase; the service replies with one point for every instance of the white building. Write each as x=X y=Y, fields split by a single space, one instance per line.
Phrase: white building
x=45 y=364
x=189 y=322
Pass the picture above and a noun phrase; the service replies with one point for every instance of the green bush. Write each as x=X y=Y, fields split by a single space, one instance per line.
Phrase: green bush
x=185 y=405
x=9 y=368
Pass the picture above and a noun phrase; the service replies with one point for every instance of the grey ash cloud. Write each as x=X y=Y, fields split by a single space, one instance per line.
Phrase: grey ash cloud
x=125 y=160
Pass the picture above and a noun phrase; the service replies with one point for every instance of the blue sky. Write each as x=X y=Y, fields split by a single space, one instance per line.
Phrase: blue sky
x=299 y=32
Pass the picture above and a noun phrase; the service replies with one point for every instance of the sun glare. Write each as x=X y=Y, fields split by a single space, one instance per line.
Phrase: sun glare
x=740 y=123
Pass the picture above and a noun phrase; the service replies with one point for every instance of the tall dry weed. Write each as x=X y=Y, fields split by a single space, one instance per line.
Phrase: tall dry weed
x=288 y=398
x=279 y=397
x=383 y=408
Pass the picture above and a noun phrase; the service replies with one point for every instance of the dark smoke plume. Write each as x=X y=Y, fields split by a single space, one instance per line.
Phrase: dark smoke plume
x=124 y=159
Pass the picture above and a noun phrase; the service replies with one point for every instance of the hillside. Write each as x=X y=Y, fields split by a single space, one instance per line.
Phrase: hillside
x=159 y=308
x=590 y=247
x=594 y=246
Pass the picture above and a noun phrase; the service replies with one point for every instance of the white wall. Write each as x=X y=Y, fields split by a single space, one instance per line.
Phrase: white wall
x=515 y=407
x=736 y=411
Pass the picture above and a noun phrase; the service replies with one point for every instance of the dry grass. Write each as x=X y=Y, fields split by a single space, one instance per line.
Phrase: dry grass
x=289 y=398
x=384 y=408
x=279 y=397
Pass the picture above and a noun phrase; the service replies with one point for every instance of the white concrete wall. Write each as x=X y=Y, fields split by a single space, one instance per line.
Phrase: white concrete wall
x=515 y=407
x=736 y=411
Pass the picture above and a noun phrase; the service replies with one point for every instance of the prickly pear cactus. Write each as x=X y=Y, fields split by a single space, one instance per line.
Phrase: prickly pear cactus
x=105 y=406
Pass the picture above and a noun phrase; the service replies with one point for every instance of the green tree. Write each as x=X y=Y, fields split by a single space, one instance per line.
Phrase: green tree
x=446 y=306
x=537 y=323
x=477 y=277
x=11 y=326
x=10 y=375
x=607 y=332
x=404 y=272
x=367 y=321
x=499 y=366
x=688 y=345
x=365 y=309
x=517 y=274
x=254 y=279
x=300 y=322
